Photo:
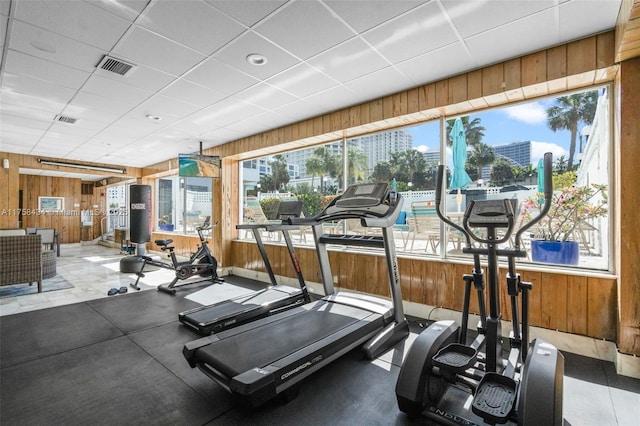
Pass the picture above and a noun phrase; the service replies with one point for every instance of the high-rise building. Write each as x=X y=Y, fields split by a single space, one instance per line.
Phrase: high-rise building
x=518 y=153
x=379 y=146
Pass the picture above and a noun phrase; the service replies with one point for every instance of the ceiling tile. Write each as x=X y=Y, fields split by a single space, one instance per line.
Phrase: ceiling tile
x=366 y=15
x=418 y=32
x=235 y=55
x=141 y=76
x=3 y=28
x=291 y=29
x=219 y=77
x=144 y=47
x=199 y=26
x=380 y=83
x=221 y=114
x=474 y=17
x=264 y=96
x=247 y=11
x=21 y=142
x=75 y=19
x=574 y=17
x=53 y=47
x=98 y=105
x=348 y=61
x=24 y=111
x=510 y=38
x=24 y=125
x=34 y=93
x=164 y=107
x=4 y=8
x=72 y=130
x=192 y=93
x=331 y=99
x=127 y=9
x=301 y=110
x=116 y=90
x=19 y=63
x=302 y=80
x=441 y=63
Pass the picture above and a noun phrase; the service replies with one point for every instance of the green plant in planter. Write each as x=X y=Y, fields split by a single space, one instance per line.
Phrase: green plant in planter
x=570 y=207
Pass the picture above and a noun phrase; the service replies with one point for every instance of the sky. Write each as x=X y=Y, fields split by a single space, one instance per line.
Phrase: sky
x=505 y=125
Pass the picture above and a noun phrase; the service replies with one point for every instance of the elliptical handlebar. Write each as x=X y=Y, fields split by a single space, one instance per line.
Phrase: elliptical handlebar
x=509 y=227
x=439 y=183
x=548 y=194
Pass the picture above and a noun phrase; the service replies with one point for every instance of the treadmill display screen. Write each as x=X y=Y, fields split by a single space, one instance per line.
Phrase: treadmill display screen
x=364 y=189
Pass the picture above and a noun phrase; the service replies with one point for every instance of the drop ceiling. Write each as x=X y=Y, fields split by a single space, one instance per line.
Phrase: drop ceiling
x=191 y=82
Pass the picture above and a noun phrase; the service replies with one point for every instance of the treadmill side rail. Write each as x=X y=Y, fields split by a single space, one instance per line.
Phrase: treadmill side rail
x=190 y=348
x=385 y=339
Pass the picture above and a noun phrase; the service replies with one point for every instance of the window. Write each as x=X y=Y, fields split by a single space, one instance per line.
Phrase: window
x=182 y=203
x=503 y=147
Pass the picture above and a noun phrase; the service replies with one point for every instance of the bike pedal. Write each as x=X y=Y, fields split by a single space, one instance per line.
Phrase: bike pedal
x=140 y=274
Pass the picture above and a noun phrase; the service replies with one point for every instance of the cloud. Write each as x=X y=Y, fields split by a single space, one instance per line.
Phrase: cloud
x=421 y=148
x=538 y=149
x=531 y=113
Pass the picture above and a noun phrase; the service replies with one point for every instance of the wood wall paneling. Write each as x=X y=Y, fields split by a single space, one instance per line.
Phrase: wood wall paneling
x=568 y=303
x=628 y=243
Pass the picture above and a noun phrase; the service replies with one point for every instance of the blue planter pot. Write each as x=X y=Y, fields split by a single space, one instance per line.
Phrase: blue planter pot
x=557 y=252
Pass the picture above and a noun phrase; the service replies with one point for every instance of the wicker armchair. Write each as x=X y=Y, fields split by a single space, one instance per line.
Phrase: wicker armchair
x=21 y=260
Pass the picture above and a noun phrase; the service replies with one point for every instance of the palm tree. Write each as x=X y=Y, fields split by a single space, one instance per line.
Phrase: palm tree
x=314 y=168
x=481 y=155
x=324 y=163
x=357 y=166
x=382 y=172
x=415 y=162
x=279 y=171
x=568 y=112
x=473 y=131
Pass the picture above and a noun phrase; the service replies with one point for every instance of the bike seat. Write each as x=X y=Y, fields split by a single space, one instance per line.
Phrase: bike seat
x=163 y=242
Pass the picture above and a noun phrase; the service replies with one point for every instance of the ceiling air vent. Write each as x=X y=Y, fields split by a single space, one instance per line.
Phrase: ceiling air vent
x=115 y=65
x=64 y=119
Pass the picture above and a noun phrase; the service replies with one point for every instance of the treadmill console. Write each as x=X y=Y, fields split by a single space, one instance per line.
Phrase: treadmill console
x=365 y=195
x=490 y=213
x=287 y=209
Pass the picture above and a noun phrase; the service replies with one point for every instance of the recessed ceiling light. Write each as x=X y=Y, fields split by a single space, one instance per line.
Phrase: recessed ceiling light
x=256 y=59
x=154 y=117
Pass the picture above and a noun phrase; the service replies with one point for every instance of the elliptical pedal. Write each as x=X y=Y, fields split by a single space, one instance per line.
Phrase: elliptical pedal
x=494 y=398
x=455 y=357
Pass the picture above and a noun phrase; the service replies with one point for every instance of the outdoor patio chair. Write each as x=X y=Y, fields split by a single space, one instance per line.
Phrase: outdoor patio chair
x=424 y=221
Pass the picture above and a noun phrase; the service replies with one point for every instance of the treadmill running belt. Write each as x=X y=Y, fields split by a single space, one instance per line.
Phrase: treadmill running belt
x=257 y=347
x=235 y=306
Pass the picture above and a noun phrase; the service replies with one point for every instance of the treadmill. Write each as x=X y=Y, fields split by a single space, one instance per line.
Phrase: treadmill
x=271 y=356
x=259 y=304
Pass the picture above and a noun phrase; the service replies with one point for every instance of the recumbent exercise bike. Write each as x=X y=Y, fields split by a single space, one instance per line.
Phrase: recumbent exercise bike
x=452 y=382
x=200 y=263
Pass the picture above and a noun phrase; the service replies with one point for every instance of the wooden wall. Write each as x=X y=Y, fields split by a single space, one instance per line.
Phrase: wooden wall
x=569 y=303
x=9 y=191
x=68 y=222
x=628 y=197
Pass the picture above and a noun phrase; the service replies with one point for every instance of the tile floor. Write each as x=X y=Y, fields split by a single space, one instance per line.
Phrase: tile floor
x=91 y=269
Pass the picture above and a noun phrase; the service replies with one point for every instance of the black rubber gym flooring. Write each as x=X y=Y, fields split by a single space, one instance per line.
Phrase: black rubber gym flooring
x=118 y=360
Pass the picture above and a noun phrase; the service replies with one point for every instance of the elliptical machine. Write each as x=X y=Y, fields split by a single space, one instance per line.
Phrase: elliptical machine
x=453 y=382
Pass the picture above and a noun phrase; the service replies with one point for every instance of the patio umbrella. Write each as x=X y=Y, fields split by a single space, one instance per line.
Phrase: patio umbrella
x=540 y=175
x=459 y=177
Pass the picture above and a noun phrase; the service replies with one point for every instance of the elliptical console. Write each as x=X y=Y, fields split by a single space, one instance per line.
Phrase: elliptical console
x=442 y=369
